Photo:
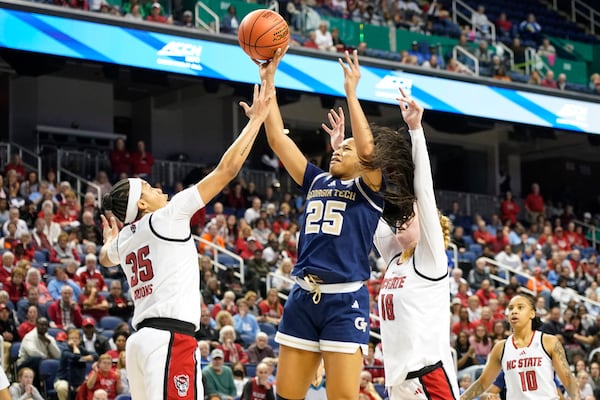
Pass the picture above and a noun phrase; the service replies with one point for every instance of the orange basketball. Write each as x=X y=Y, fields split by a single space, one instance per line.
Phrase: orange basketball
x=261 y=33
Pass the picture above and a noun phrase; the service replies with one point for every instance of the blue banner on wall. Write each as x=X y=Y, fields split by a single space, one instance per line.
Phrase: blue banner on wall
x=133 y=47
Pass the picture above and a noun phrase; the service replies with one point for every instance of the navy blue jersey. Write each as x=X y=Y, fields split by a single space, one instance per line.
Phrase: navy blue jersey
x=340 y=218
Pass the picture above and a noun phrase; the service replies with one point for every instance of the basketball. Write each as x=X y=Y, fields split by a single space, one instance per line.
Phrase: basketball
x=261 y=33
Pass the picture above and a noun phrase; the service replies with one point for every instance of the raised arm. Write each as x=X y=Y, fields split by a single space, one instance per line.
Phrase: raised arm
x=361 y=132
x=561 y=365
x=431 y=240
x=236 y=154
x=284 y=147
x=490 y=372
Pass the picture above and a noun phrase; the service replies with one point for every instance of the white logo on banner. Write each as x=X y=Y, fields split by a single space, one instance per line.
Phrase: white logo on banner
x=572 y=114
x=388 y=86
x=180 y=55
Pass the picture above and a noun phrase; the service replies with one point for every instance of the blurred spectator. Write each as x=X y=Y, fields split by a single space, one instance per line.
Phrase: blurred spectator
x=36 y=346
x=478 y=274
x=23 y=388
x=232 y=351
x=141 y=159
x=260 y=349
x=230 y=22
x=219 y=377
x=187 y=20
x=503 y=26
x=529 y=28
x=534 y=78
x=339 y=46
x=72 y=369
x=120 y=158
x=119 y=305
x=155 y=16
x=483 y=53
x=480 y=21
x=311 y=42
x=366 y=386
x=509 y=209
x=91 y=302
x=519 y=53
x=271 y=308
x=534 y=204
x=501 y=75
x=104 y=377
x=547 y=50
x=16 y=165
x=245 y=323
x=136 y=15
x=323 y=38
x=21 y=225
x=65 y=313
x=548 y=80
x=561 y=82
x=373 y=365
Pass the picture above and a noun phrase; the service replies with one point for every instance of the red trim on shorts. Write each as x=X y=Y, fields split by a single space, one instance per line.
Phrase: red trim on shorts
x=181 y=377
x=436 y=385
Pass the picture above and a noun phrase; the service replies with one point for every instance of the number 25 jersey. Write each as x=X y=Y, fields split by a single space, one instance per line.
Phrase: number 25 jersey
x=159 y=258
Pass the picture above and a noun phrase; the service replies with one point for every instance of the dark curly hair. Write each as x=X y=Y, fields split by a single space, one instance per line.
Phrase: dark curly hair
x=393 y=155
x=116 y=200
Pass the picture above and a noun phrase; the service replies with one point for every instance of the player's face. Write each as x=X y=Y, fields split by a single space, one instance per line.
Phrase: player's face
x=520 y=312
x=152 y=198
x=344 y=161
x=409 y=233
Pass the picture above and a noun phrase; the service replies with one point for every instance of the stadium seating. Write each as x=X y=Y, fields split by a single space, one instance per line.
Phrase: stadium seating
x=47 y=371
x=109 y=322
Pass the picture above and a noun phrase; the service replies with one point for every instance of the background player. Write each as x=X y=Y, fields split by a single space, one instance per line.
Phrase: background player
x=158 y=255
x=528 y=358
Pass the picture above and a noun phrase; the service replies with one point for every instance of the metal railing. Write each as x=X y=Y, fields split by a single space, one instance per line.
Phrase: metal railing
x=457 y=13
x=507 y=50
x=464 y=52
x=80 y=185
x=218 y=265
x=510 y=270
x=31 y=159
x=212 y=26
x=454 y=254
x=583 y=13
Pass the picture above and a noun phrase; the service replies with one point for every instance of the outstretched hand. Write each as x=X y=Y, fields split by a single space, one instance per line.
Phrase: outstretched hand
x=261 y=101
x=412 y=112
x=110 y=229
x=351 y=71
x=268 y=68
x=336 y=132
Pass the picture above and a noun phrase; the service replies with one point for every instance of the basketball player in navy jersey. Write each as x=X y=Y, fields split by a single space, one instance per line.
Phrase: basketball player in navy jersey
x=414 y=298
x=327 y=312
x=528 y=357
x=157 y=253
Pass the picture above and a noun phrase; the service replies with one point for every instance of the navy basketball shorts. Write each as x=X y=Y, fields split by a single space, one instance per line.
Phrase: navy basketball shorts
x=338 y=322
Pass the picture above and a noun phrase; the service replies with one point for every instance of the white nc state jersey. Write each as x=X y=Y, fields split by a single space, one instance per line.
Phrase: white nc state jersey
x=414 y=299
x=528 y=371
x=159 y=258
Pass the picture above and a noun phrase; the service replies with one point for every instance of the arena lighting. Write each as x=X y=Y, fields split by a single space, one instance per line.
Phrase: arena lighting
x=194 y=54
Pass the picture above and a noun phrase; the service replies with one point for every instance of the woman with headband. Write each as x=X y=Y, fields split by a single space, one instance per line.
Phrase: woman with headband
x=156 y=250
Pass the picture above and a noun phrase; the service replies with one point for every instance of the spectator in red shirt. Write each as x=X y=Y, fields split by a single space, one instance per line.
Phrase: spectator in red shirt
x=16 y=164
x=142 y=160
x=91 y=273
x=509 y=209
x=92 y=303
x=64 y=313
x=271 y=308
x=104 y=377
x=485 y=293
x=155 y=16
x=120 y=160
x=8 y=264
x=534 y=204
x=481 y=235
x=63 y=215
x=30 y=323
x=15 y=285
x=561 y=240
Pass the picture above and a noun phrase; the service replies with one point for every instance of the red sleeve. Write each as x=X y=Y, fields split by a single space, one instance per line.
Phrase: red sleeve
x=76 y=317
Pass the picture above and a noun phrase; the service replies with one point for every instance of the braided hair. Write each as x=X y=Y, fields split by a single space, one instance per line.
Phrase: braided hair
x=116 y=200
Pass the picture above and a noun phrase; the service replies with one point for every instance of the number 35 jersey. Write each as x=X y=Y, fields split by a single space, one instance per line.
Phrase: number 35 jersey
x=340 y=217
x=159 y=258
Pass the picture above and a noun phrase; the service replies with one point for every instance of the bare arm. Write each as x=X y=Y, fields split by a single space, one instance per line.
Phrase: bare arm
x=361 y=131
x=284 y=147
x=561 y=365
x=490 y=372
x=236 y=154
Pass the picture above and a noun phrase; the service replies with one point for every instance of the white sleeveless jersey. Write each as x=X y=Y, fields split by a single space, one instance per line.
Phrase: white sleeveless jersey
x=528 y=371
x=160 y=260
x=414 y=299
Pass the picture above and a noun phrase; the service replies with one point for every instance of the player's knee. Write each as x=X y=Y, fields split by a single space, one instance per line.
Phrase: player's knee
x=278 y=397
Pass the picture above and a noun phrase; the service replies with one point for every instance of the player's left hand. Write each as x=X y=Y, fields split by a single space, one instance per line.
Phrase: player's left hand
x=336 y=132
x=411 y=111
x=351 y=71
x=110 y=229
